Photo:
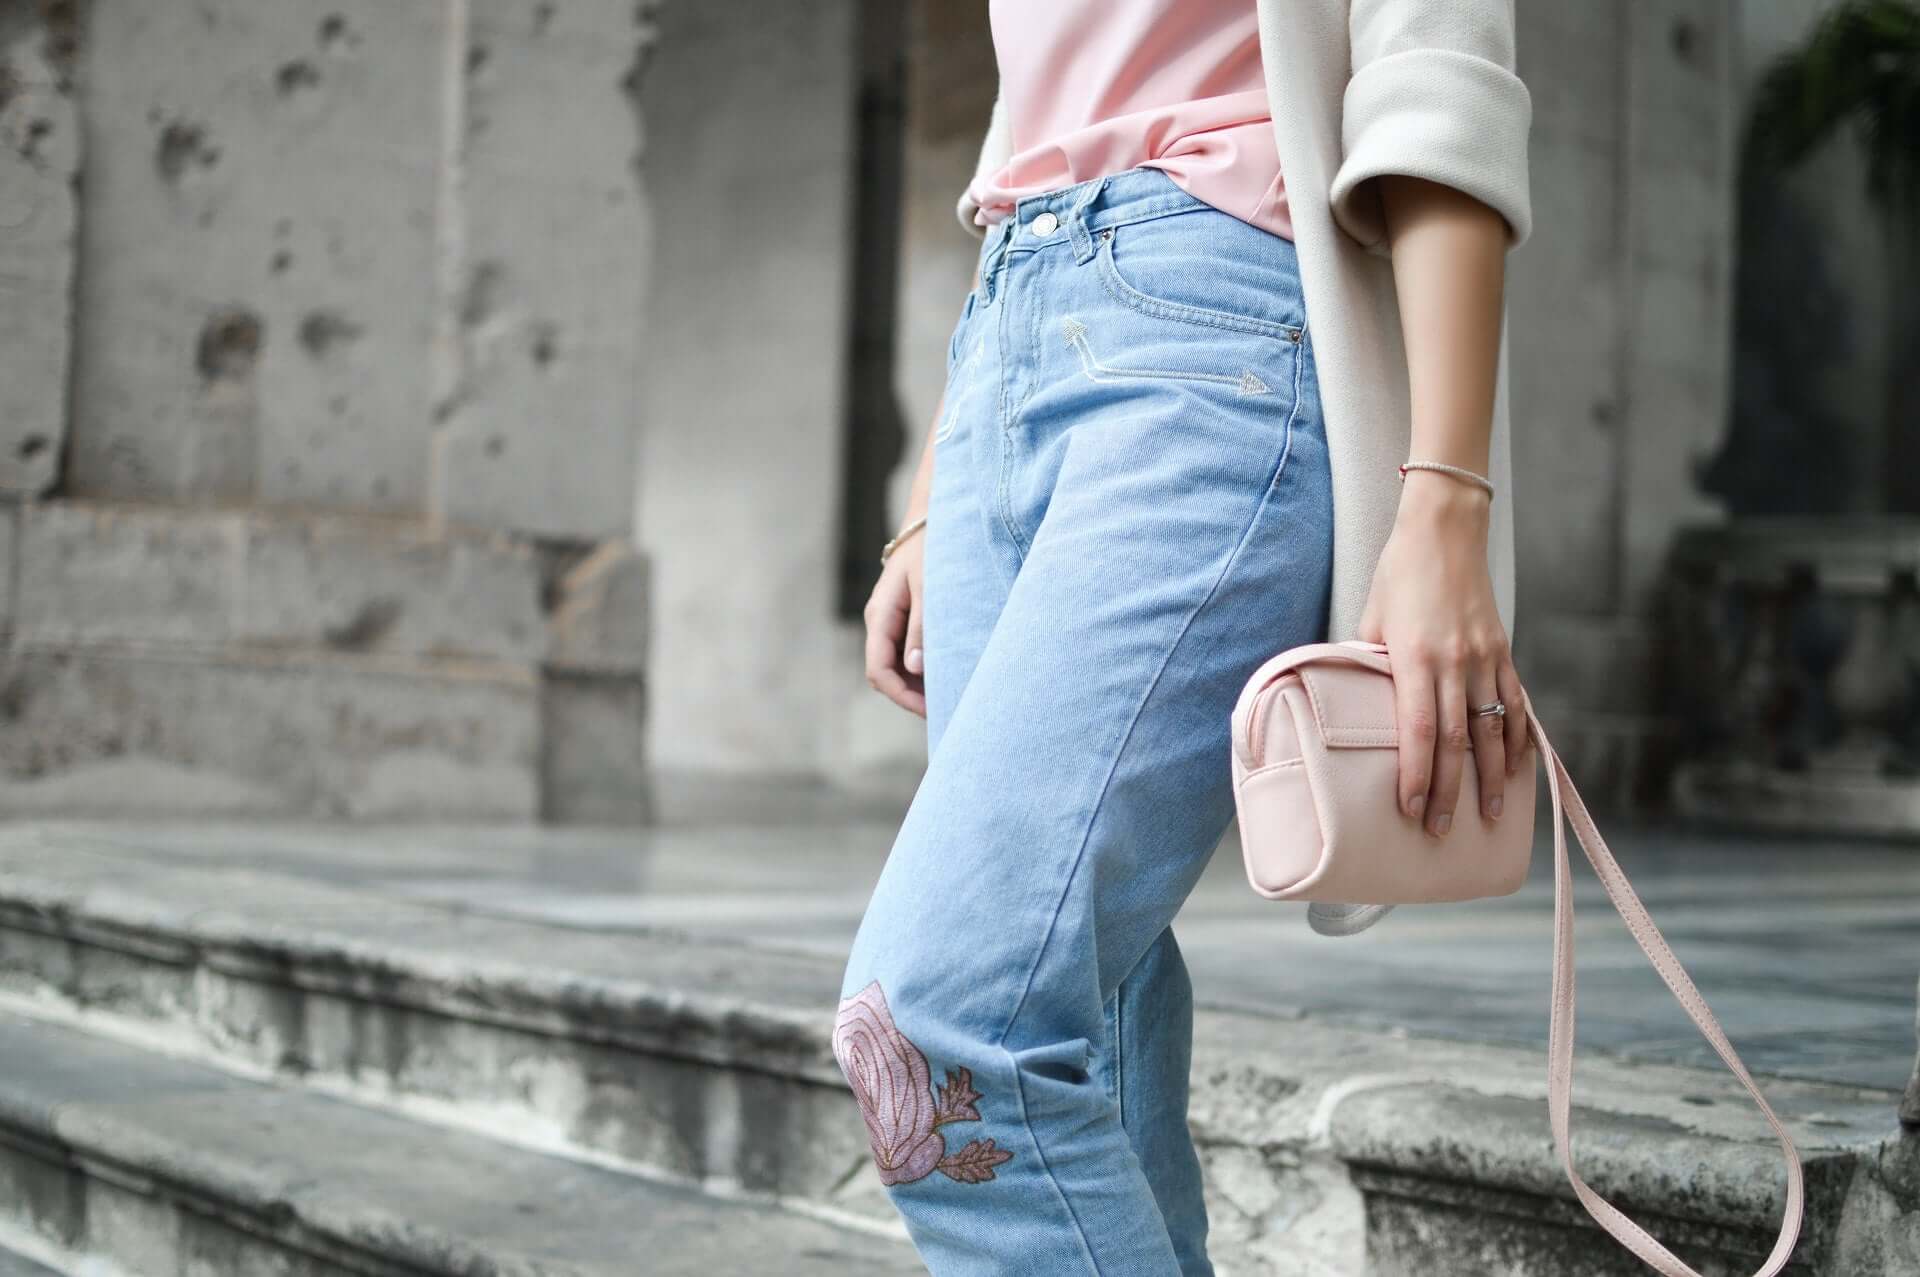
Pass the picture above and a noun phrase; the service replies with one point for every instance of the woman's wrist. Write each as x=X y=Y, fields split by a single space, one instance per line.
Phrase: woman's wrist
x=1433 y=501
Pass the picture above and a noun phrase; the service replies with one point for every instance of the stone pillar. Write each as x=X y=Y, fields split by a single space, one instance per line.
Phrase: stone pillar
x=549 y=246
x=751 y=148
x=39 y=158
x=1621 y=321
x=1910 y=1103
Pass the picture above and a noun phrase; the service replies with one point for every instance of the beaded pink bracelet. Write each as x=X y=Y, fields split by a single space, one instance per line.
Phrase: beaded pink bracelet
x=1467 y=475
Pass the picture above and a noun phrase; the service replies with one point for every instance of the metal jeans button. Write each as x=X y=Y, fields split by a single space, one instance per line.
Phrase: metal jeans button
x=1044 y=225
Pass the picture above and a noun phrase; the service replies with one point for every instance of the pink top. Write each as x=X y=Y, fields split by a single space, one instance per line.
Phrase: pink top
x=1097 y=86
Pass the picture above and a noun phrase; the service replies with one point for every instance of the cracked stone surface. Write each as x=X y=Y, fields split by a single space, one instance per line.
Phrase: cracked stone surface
x=1796 y=965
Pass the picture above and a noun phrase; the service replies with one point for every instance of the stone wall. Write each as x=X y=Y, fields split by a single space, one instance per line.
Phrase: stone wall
x=1620 y=313
x=319 y=343
x=373 y=260
x=752 y=118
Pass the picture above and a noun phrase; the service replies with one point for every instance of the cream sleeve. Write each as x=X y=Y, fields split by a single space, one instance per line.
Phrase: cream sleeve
x=1433 y=94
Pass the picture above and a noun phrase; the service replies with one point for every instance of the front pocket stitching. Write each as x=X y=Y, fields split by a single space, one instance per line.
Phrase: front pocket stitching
x=1247 y=383
x=1132 y=298
x=965 y=367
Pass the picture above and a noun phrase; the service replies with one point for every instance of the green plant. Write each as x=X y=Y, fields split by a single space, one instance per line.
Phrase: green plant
x=1859 y=67
x=1858 y=71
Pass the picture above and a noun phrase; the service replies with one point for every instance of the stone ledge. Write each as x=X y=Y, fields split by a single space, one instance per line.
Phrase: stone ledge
x=12 y=1265
x=1504 y=1142
x=711 y=1061
x=1445 y=1149
x=108 y=572
x=114 y=728
x=1448 y=1149
x=660 y=994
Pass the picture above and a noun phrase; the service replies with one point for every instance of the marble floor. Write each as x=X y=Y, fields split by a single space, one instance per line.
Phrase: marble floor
x=1807 y=950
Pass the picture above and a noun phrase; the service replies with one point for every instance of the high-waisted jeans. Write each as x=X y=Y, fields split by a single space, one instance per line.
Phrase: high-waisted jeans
x=1130 y=511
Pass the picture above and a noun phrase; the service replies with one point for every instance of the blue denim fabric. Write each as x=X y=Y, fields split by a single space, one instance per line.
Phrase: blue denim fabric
x=1130 y=511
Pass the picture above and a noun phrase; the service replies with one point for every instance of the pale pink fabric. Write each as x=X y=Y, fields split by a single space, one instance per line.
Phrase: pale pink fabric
x=1092 y=87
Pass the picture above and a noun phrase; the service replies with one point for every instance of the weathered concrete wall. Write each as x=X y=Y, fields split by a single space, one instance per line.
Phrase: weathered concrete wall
x=1621 y=322
x=363 y=256
x=337 y=520
x=257 y=296
x=39 y=157
x=875 y=746
x=751 y=131
x=540 y=411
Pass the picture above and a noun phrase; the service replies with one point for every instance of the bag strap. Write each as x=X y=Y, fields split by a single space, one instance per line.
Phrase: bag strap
x=1560 y=1021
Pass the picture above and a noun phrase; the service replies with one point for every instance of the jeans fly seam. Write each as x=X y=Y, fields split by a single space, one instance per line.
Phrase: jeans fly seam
x=1286 y=441
x=1093 y=817
x=1033 y=352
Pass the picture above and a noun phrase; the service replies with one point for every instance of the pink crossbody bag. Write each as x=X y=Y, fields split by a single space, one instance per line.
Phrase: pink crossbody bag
x=1315 y=785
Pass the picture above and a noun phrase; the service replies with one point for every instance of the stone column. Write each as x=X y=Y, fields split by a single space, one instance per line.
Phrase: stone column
x=1910 y=1103
x=39 y=158
x=1621 y=309
x=750 y=162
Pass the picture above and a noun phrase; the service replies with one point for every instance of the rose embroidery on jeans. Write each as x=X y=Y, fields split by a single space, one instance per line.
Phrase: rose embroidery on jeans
x=894 y=1086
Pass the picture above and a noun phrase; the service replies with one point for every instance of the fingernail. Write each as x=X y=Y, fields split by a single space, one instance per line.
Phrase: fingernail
x=1494 y=806
x=914 y=659
x=1443 y=823
x=1417 y=804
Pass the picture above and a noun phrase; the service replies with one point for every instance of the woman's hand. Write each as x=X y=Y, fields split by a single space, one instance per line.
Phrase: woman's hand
x=1432 y=604
x=895 y=660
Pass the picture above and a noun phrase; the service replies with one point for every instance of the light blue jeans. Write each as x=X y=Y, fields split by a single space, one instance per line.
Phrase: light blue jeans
x=1130 y=511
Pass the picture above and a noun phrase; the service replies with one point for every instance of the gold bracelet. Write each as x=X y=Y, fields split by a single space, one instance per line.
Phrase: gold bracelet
x=887 y=550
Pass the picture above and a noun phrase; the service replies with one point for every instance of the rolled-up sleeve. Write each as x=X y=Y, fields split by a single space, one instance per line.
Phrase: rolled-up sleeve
x=1433 y=94
x=996 y=146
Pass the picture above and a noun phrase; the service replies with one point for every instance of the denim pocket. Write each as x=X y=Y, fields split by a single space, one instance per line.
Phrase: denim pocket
x=958 y=372
x=1095 y=367
x=1204 y=267
x=959 y=329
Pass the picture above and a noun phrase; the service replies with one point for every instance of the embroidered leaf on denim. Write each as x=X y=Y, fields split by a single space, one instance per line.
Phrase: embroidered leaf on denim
x=973 y=1164
x=954 y=1103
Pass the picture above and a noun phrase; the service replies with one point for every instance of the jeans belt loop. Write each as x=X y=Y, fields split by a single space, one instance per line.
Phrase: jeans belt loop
x=1077 y=232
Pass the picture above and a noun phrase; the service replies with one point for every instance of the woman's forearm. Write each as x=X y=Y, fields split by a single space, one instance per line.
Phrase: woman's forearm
x=1449 y=269
x=1432 y=601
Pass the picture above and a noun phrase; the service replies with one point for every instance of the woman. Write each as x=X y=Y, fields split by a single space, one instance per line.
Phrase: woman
x=1240 y=259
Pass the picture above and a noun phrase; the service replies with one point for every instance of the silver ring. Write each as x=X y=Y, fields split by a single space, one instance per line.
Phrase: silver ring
x=1492 y=709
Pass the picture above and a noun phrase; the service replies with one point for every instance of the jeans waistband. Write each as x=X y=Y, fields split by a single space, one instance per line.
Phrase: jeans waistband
x=1075 y=214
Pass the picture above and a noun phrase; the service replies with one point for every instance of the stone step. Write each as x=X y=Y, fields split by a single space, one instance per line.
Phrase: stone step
x=710 y=1061
x=160 y=1165
x=168 y=731
x=13 y=1265
x=223 y=661
x=705 y=1061
x=88 y=573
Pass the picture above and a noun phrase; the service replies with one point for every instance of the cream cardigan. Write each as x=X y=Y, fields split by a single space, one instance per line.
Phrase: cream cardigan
x=1359 y=88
